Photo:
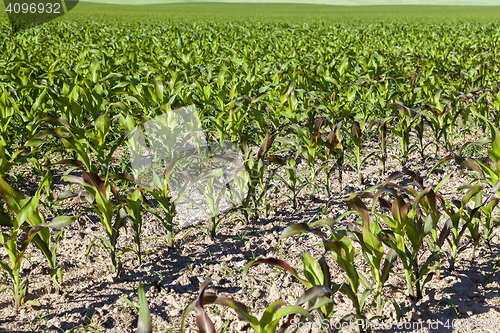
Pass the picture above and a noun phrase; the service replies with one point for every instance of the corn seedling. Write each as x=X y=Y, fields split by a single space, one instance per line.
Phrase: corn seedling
x=373 y=250
x=357 y=138
x=255 y=171
x=402 y=130
x=134 y=208
x=23 y=210
x=409 y=228
x=269 y=320
x=98 y=195
x=382 y=136
x=317 y=273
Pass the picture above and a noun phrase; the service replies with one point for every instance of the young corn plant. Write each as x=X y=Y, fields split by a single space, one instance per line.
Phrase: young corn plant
x=42 y=239
x=462 y=219
x=264 y=188
x=439 y=118
x=409 y=228
x=357 y=138
x=402 y=130
x=488 y=168
x=308 y=148
x=317 y=272
x=214 y=192
x=82 y=141
x=420 y=123
x=98 y=192
x=7 y=111
x=255 y=171
x=333 y=149
x=293 y=184
x=473 y=224
x=382 y=136
x=162 y=195
x=24 y=209
x=436 y=240
x=317 y=276
x=222 y=182
x=267 y=324
x=373 y=250
x=134 y=208
x=489 y=224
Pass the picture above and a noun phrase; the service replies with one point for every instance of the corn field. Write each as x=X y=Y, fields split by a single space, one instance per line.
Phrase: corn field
x=376 y=145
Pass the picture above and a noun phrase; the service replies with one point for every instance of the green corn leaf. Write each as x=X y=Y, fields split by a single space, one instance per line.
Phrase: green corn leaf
x=269 y=312
x=312 y=269
x=144 y=324
x=396 y=307
x=312 y=294
x=320 y=302
x=390 y=259
x=56 y=223
x=288 y=310
x=298 y=228
x=327 y=280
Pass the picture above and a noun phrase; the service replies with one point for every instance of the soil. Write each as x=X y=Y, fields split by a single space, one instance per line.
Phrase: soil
x=92 y=299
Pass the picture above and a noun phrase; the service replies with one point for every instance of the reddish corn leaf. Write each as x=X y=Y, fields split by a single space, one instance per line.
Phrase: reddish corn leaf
x=318 y=124
x=364 y=195
x=236 y=161
x=93 y=179
x=445 y=232
x=356 y=131
x=273 y=262
x=240 y=308
x=421 y=197
x=54 y=120
x=397 y=105
x=413 y=175
x=124 y=176
x=358 y=205
x=385 y=203
x=203 y=322
x=11 y=196
x=468 y=163
x=316 y=136
x=276 y=159
x=400 y=210
x=266 y=144
x=326 y=272
x=393 y=176
x=329 y=144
